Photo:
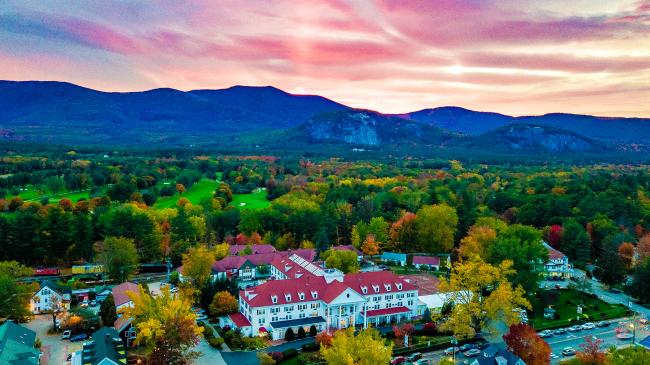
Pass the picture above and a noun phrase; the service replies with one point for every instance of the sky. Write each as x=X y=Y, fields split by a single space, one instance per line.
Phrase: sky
x=519 y=57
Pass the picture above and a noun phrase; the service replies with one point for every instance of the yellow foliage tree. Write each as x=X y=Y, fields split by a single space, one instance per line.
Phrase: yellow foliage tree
x=478 y=239
x=223 y=303
x=197 y=265
x=166 y=326
x=474 y=311
x=220 y=251
x=366 y=348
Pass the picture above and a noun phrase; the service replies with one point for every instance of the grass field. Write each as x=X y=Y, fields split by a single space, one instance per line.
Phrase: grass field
x=202 y=189
x=254 y=200
x=32 y=194
x=566 y=302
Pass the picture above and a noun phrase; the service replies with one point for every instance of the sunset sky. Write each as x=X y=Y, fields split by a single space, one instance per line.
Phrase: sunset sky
x=510 y=56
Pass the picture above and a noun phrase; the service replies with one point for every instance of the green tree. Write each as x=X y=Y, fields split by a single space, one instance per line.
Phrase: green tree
x=641 y=281
x=575 y=242
x=14 y=296
x=345 y=261
x=629 y=356
x=367 y=347
x=436 y=227
x=119 y=257
x=107 y=311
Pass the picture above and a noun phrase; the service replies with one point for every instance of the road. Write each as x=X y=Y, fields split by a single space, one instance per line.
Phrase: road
x=557 y=343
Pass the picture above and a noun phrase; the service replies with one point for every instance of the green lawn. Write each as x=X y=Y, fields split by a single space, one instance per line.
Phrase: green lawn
x=32 y=194
x=202 y=189
x=566 y=302
x=254 y=200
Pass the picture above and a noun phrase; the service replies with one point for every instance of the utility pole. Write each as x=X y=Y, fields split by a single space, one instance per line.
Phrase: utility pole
x=168 y=262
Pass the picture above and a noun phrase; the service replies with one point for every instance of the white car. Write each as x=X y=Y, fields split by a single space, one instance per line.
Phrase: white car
x=588 y=326
x=66 y=334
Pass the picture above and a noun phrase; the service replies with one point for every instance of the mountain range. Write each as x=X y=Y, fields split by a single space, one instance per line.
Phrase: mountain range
x=64 y=113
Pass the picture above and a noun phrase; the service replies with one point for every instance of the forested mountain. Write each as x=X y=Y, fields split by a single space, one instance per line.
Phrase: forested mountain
x=63 y=113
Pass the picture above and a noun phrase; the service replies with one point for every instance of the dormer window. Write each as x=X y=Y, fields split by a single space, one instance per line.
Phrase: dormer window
x=387 y=286
x=287 y=297
x=314 y=294
x=399 y=286
x=274 y=298
x=364 y=289
x=301 y=296
x=375 y=288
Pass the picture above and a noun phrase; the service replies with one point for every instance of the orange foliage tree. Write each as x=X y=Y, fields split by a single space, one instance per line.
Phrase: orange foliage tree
x=590 y=353
x=626 y=252
x=524 y=342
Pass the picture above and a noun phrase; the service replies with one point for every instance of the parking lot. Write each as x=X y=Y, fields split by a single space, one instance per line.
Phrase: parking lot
x=54 y=349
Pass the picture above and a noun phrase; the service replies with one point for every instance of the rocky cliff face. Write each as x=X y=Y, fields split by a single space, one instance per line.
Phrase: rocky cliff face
x=350 y=128
x=526 y=136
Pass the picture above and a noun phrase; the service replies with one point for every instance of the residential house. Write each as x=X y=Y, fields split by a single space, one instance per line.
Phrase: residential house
x=394 y=258
x=106 y=348
x=326 y=298
x=120 y=294
x=237 y=321
x=17 y=345
x=49 y=297
x=496 y=355
x=429 y=262
x=558 y=264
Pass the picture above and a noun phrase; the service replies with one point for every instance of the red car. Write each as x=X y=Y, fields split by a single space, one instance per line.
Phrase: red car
x=398 y=360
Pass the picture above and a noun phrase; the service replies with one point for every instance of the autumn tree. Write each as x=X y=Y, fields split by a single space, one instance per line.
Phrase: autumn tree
x=524 y=342
x=477 y=241
x=220 y=251
x=403 y=232
x=346 y=261
x=590 y=353
x=626 y=253
x=180 y=188
x=402 y=331
x=367 y=347
x=197 y=265
x=119 y=257
x=370 y=247
x=166 y=326
x=223 y=303
x=436 y=227
x=481 y=294
x=643 y=246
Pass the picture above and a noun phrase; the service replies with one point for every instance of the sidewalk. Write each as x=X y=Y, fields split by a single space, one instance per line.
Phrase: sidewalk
x=615 y=298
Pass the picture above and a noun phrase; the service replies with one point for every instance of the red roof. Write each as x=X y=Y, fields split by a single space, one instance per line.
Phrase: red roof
x=236 y=249
x=121 y=323
x=554 y=254
x=261 y=295
x=239 y=320
x=387 y=311
x=426 y=260
x=119 y=292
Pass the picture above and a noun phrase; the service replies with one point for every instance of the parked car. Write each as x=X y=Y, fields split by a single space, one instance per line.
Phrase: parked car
x=66 y=334
x=559 y=331
x=173 y=289
x=576 y=328
x=201 y=317
x=79 y=337
x=93 y=303
x=414 y=356
x=602 y=324
x=398 y=360
x=482 y=345
x=568 y=351
x=450 y=350
x=545 y=334
x=467 y=346
x=472 y=353
x=83 y=304
x=643 y=320
x=588 y=326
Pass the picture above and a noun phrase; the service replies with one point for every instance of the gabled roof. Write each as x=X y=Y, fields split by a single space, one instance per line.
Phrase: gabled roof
x=55 y=288
x=239 y=320
x=393 y=256
x=17 y=344
x=119 y=292
x=105 y=348
x=426 y=260
x=121 y=323
x=377 y=280
x=236 y=249
x=553 y=254
x=386 y=311
x=492 y=352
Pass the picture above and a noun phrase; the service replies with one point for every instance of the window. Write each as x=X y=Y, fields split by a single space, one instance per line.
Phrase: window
x=376 y=298
x=388 y=297
x=274 y=298
x=315 y=305
x=314 y=294
x=399 y=286
x=410 y=302
x=301 y=296
x=274 y=319
x=261 y=321
x=400 y=304
x=376 y=306
x=261 y=312
x=387 y=286
x=364 y=289
x=301 y=315
x=275 y=310
x=375 y=288
x=288 y=309
x=287 y=297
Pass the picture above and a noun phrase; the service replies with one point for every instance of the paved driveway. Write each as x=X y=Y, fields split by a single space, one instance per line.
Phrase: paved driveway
x=209 y=355
x=54 y=349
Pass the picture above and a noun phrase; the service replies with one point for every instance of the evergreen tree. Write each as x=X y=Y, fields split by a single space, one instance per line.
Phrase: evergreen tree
x=289 y=335
x=575 y=242
x=301 y=332
x=107 y=311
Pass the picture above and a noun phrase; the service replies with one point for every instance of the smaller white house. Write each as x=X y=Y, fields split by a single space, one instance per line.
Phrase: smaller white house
x=558 y=264
x=431 y=262
x=120 y=295
x=237 y=321
x=49 y=297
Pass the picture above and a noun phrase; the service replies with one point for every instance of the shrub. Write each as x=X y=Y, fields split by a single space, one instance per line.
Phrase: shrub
x=289 y=353
x=301 y=333
x=429 y=329
x=309 y=347
x=277 y=356
x=216 y=342
x=324 y=339
x=289 y=335
x=313 y=331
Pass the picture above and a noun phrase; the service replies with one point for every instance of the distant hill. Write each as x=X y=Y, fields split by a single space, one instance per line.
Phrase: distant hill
x=617 y=130
x=367 y=128
x=259 y=117
x=66 y=113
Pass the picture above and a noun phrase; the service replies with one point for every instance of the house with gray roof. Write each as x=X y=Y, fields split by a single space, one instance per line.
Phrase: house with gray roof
x=106 y=348
x=17 y=345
